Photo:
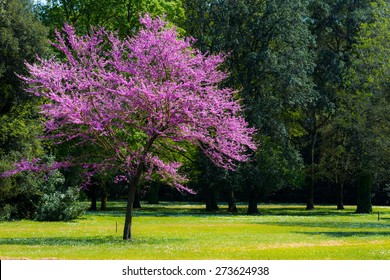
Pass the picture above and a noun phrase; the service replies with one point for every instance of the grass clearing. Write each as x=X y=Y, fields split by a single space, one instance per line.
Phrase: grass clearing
x=185 y=231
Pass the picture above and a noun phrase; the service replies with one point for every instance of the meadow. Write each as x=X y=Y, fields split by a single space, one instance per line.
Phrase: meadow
x=186 y=231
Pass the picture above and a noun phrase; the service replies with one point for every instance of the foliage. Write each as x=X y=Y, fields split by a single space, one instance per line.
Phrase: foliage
x=365 y=102
x=22 y=37
x=146 y=88
x=133 y=98
x=270 y=62
x=116 y=15
x=334 y=25
x=58 y=206
x=32 y=196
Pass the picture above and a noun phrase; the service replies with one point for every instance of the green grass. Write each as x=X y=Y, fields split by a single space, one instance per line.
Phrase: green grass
x=186 y=231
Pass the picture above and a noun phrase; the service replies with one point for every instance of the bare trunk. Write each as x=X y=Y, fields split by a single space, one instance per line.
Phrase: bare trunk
x=93 y=198
x=252 y=203
x=129 y=212
x=133 y=190
x=137 y=201
x=211 y=200
x=103 y=197
x=310 y=195
x=364 y=193
x=232 y=203
x=340 y=196
x=310 y=185
x=153 y=193
x=130 y=201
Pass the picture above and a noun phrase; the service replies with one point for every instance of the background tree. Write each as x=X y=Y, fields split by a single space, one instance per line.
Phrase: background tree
x=21 y=38
x=133 y=98
x=366 y=105
x=116 y=15
x=271 y=63
x=334 y=25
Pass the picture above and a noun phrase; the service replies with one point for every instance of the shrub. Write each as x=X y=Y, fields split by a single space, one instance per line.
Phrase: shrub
x=60 y=206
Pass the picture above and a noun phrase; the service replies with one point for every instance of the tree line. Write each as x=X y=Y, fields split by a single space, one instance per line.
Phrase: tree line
x=312 y=77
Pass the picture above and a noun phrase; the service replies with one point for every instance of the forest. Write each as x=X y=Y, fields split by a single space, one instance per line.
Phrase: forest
x=311 y=77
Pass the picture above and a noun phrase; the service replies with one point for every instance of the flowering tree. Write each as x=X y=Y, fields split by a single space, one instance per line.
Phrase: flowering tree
x=132 y=99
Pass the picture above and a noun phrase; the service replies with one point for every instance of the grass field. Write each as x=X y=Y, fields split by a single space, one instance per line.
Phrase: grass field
x=186 y=231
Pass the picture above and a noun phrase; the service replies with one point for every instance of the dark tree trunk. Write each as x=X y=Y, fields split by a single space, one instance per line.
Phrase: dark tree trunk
x=133 y=184
x=103 y=199
x=232 y=203
x=129 y=212
x=364 y=193
x=93 y=198
x=340 y=196
x=252 y=203
x=310 y=195
x=153 y=193
x=310 y=183
x=211 y=200
x=137 y=201
x=310 y=191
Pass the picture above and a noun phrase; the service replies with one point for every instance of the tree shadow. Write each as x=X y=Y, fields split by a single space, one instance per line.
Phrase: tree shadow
x=329 y=224
x=86 y=241
x=296 y=211
x=340 y=234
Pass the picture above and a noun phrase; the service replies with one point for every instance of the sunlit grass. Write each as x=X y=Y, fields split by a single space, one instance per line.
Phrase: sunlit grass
x=186 y=231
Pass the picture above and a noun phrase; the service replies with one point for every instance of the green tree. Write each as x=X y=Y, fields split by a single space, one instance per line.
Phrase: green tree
x=21 y=38
x=270 y=62
x=365 y=104
x=334 y=24
x=118 y=15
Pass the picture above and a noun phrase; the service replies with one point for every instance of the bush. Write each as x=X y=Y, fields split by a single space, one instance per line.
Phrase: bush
x=5 y=213
x=59 y=206
x=30 y=195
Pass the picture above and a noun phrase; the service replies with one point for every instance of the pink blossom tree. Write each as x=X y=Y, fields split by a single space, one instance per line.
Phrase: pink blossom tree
x=133 y=98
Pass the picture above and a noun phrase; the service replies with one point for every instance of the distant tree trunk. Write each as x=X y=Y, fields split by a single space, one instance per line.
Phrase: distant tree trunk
x=137 y=201
x=310 y=183
x=252 y=202
x=232 y=203
x=310 y=194
x=211 y=200
x=364 y=193
x=153 y=193
x=103 y=198
x=93 y=198
x=340 y=196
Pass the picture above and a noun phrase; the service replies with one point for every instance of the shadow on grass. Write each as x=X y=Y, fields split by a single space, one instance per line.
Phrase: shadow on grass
x=196 y=210
x=89 y=241
x=329 y=224
x=349 y=233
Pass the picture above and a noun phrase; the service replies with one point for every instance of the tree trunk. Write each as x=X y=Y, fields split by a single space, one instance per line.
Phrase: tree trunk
x=129 y=212
x=103 y=199
x=252 y=203
x=340 y=196
x=137 y=201
x=232 y=203
x=211 y=200
x=153 y=193
x=310 y=194
x=133 y=184
x=364 y=193
x=310 y=185
x=93 y=198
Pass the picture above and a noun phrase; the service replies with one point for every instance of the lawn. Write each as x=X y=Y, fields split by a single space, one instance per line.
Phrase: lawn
x=185 y=231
